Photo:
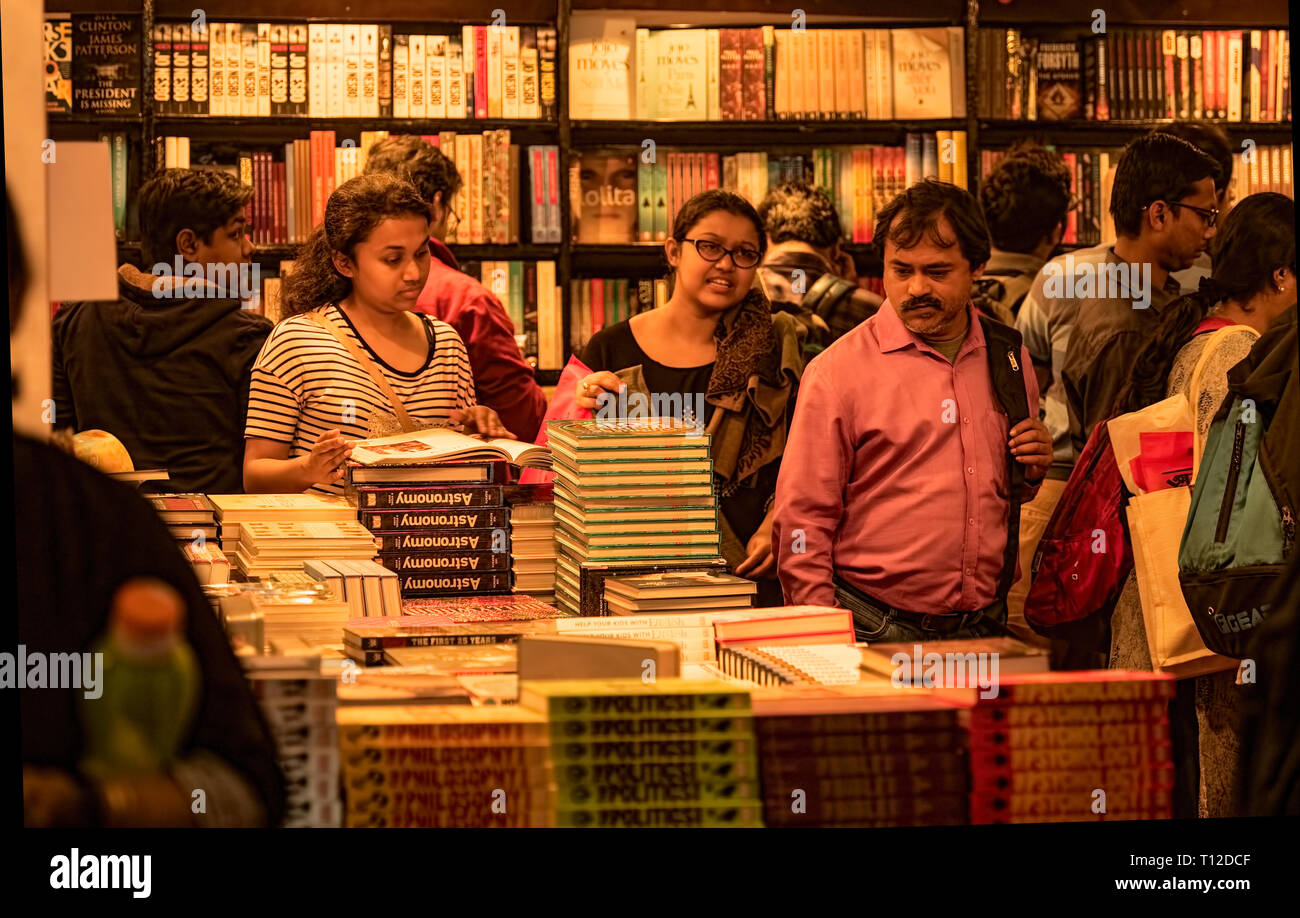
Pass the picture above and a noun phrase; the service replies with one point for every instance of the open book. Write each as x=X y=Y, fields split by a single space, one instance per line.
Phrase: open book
x=439 y=444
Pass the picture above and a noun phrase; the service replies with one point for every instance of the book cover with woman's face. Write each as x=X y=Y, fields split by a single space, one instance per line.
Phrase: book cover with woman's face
x=606 y=188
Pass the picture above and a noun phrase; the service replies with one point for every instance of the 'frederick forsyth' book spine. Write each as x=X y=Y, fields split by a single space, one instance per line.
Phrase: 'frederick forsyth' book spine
x=462 y=561
x=432 y=497
x=412 y=521
x=425 y=584
x=443 y=540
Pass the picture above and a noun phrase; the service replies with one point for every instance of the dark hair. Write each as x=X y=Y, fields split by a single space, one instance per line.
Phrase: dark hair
x=1208 y=138
x=919 y=209
x=419 y=162
x=201 y=200
x=353 y=211
x=1155 y=167
x=800 y=212
x=1255 y=239
x=1025 y=197
x=711 y=201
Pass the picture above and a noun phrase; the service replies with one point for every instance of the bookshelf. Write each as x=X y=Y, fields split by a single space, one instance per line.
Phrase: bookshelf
x=572 y=136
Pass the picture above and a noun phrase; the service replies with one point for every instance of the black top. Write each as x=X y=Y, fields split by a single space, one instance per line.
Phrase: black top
x=168 y=376
x=615 y=348
x=80 y=535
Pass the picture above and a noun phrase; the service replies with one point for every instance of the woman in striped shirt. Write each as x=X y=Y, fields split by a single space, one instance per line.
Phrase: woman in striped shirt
x=353 y=357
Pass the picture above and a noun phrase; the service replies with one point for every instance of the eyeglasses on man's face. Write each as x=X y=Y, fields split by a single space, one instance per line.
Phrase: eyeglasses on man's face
x=1209 y=214
x=743 y=257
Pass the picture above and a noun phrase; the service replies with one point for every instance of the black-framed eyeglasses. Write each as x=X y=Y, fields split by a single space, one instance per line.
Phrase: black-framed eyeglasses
x=1210 y=215
x=712 y=251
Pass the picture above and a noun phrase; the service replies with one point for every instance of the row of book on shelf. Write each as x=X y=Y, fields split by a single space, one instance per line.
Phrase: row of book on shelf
x=292 y=185
x=619 y=198
x=316 y=69
x=620 y=72
x=1137 y=74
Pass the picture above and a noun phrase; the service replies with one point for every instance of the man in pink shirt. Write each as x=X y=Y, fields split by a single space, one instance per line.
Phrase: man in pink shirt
x=903 y=473
x=503 y=380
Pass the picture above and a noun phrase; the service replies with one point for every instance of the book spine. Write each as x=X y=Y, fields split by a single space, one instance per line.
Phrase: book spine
x=447 y=561
x=162 y=68
x=423 y=584
x=263 y=69
x=384 y=79
x=436 y=62
x=529 y=106
x=1235 y=74
x=1198 y=76
x=279 y=70
x=368 y=92
x=713 y=74
x=411 y=521
x=317 y=76
x=546 y=72
x=1184 y=76
x=180 y=69
x=769 y=72
x=509 y=54
x=828 y=85
x=483 y=75
x=730 y=79
x=298 y=102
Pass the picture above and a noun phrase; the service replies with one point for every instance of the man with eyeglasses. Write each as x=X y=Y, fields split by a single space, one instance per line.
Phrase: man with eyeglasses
x=503 y=380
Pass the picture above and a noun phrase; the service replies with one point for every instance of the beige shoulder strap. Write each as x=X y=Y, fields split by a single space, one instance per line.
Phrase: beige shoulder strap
x=363 y=359
x=1194 y=387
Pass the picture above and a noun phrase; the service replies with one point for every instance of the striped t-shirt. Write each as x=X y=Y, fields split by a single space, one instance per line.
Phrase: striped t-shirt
x=305 y=382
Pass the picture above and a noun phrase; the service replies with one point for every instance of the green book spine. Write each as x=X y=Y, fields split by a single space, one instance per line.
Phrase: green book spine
x=645 y=201
x=660 y=175
x=119 y=183
x=517 y=295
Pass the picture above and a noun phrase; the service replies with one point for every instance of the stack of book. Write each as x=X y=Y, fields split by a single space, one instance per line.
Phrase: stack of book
x=792 y=664
x=444 y=766
x=367 y=587
x=300 y=708
x=677 y=591
x=532 y=539
x=281 y=613
x=636 y=492
x=861 y=755
x=683 y=751
x=1072 y=746
x=190 y=517
x=428 y=497
x=784 y=626
x=266 y=547
x=233 y=510
x=453 y=621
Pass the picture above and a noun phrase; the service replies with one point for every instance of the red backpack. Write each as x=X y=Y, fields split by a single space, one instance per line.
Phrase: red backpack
x=1084 y=557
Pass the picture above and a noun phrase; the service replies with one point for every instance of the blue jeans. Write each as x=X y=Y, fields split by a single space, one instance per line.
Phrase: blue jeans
x=878 y=624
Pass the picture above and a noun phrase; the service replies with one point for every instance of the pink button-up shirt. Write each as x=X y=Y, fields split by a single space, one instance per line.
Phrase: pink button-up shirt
x=895 y=474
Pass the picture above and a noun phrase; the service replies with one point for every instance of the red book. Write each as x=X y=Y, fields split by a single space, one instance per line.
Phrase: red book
x=281 y=204
x=259 y=202
x=1170 y=104
x=697 y=175
x=711 y=179
x=753 y=81
x=597 y=304
x=1072 y=216
x=1208 y=61
x=730 y=92
x=671 y=169
x=480 y=72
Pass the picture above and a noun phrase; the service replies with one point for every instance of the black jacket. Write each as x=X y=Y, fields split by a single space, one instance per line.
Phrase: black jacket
x=168 y=376
x=80 y=536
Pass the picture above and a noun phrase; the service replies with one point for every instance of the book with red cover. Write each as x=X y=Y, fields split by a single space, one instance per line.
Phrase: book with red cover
x=731 y=105
x=753 y=78
x=480 y=72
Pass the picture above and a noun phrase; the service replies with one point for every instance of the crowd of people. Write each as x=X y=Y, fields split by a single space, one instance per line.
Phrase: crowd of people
x=899 y=458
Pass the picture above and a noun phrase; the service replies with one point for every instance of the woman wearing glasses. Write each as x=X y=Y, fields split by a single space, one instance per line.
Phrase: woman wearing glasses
x=716 y=336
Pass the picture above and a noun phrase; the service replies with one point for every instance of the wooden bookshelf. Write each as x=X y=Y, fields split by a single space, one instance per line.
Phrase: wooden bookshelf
x=574 y=135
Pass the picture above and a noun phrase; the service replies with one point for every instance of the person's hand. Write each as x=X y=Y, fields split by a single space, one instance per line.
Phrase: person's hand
x=590 y=387
x=54 y=799
x=1031 y=445
x=324 y=464
x=482 y=420
x=760 y=562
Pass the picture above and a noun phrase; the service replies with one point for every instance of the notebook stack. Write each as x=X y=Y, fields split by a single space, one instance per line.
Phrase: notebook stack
x=637 y=493
x=234 y=510
x=444 y=766
x=369 y=588
x=441 y=539
x=532 y=539
x=267 y=547
x=191 y=518
x=1072 y=746
x=677 y=591
x=300 y=707
x=861 y=755
x=627 y=753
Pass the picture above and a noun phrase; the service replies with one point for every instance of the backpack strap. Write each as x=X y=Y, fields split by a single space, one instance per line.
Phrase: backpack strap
x=1008 y=377
x=363 y=360
x=825 y=292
